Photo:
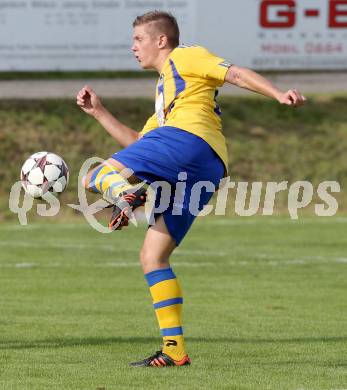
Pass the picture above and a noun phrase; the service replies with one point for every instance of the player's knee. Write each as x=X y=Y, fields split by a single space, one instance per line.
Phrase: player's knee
x=84 y=181
x=150 y=261
x=147 y=260
x=144 y=256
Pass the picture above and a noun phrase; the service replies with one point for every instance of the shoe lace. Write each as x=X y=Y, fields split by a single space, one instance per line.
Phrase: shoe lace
x=156 y=355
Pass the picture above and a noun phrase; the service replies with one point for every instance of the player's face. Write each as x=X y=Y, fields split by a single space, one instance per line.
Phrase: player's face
x=145 y=46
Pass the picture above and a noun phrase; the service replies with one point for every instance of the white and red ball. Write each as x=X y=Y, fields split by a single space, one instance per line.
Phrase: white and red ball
x=43 y=172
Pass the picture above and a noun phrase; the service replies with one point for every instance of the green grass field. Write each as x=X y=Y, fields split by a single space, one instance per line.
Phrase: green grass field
x=265 y=306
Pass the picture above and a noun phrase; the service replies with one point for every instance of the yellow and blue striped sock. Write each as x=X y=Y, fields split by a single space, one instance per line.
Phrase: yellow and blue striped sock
x=167 y=301
x=107 y=180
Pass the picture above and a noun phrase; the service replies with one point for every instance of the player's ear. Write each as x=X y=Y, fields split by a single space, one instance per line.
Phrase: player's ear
x=162 y=41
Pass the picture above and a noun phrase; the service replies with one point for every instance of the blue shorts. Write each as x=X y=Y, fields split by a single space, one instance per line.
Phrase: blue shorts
x=163 y=153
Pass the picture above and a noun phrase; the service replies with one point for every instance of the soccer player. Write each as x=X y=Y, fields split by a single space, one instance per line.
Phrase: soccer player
x=181 y=142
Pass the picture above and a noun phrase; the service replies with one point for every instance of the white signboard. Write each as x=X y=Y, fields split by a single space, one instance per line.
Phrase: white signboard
x=96 y=34
x=77 y=34
x=301 y=34
x=277 y=34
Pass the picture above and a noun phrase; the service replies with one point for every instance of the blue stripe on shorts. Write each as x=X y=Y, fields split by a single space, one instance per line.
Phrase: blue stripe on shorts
x=160 y=155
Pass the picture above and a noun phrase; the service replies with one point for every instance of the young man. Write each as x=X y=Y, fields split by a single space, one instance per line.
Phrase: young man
x=181 y=141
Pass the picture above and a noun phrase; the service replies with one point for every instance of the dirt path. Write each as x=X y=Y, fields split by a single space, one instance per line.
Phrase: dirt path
x=37 y=89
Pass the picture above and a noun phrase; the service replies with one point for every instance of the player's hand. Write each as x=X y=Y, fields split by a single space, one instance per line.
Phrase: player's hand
x=89 y=101
x=292 y=98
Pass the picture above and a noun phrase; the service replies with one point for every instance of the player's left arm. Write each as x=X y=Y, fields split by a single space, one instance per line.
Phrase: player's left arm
x=247 y=78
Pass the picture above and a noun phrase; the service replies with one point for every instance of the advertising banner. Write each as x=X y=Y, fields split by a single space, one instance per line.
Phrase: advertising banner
x=96 y=34
x=77 y=34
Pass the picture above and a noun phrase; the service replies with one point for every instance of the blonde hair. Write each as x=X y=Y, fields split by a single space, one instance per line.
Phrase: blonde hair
x=163 y=22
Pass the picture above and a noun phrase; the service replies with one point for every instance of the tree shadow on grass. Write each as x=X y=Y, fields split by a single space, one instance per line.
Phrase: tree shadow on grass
x=99 y=341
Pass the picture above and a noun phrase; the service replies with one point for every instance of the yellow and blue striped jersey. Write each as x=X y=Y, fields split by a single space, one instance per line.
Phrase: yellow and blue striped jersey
x=186 y=93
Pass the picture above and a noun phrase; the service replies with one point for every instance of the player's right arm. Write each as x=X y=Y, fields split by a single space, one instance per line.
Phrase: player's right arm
x=91 y=104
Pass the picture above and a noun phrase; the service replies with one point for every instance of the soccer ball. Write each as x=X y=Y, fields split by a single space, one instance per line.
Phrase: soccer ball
x=43 y=172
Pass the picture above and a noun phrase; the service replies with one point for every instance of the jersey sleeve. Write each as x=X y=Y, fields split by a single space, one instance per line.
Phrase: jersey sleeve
x=151 y=124
x=199 y=62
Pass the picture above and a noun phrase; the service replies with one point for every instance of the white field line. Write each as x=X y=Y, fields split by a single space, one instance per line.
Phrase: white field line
x=274 y=221
x=270 y=261
x=122 y=264
x=130 y=264
x=269 y=256
x=178 y=264
x=38 y=226
x=63 y=245
x=103 y=247
x=265 y=258
x=226 y=221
